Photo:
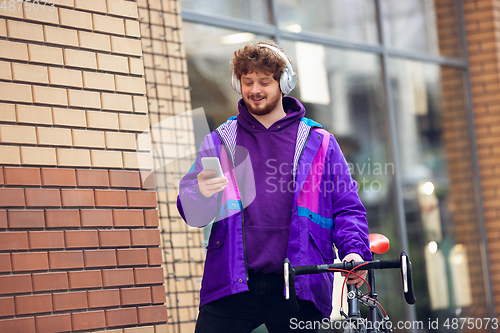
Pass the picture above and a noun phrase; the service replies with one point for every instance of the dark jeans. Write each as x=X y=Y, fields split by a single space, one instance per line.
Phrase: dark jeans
x=264 y=303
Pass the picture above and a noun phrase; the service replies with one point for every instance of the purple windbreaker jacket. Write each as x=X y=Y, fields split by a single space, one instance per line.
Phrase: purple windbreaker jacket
x=326 y=211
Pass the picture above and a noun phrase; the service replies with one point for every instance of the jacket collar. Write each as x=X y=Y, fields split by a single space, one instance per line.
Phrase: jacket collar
x=227 y=134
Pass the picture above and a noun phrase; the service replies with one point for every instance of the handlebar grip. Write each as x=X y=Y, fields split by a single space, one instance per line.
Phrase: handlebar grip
x=290 y=294
x=407 y=278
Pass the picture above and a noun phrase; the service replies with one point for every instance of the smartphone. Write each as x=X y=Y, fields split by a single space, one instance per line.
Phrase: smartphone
x=212 y=163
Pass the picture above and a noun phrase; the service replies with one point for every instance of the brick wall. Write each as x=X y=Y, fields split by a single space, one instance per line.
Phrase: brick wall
x=168 y=98
x=459 y=158
x=483 y=31
x=458 y=149
x=79 y=238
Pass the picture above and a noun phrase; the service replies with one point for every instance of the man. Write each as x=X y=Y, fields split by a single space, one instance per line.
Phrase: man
x=286 y=193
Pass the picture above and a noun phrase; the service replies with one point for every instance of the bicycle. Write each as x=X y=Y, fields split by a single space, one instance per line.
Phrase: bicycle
x=353 y=322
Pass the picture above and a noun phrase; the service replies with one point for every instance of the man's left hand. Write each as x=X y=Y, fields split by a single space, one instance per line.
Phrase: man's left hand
x=353 y=279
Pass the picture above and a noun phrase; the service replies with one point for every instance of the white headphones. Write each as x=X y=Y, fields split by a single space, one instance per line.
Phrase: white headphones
x=287 y=79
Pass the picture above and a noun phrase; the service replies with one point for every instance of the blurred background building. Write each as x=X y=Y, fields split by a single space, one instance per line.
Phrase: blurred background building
x=97 y=93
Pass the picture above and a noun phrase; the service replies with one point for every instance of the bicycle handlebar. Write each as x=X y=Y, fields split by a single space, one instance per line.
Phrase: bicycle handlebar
x=403 y=263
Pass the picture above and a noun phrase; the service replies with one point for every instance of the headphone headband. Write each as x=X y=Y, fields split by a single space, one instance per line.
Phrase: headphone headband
x=281 y=54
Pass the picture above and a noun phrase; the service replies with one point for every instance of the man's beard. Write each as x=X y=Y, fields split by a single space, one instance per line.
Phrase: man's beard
x=271 y=105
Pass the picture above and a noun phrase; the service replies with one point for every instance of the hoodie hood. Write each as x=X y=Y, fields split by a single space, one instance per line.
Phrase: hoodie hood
x=294 y=112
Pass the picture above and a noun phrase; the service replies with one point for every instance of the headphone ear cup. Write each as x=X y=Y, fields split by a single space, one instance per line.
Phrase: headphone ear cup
x=236 y=83
x=284 y=82
x=291 y=82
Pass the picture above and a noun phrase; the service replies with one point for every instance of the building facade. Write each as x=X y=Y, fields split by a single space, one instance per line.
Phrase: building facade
x=80 y=244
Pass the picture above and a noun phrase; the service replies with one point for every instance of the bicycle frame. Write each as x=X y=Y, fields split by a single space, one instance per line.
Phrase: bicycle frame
x=353 y=296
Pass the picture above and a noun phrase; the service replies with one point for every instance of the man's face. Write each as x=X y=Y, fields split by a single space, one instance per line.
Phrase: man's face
x=261 y=92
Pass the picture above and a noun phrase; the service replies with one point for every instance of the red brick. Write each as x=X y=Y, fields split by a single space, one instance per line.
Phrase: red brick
x=58 y=177
x=132 y=257
x=145 y=237
x=2 y=182
x=24 y=325
x=26 y=218
x=104 y=298
x=148 y=275
x=110 y=198
x=88 y=320
x=13 y=284
x=154 y=256
x=5 y=263
x=85 y=279
x=132 y=296
x=66 y=259
x=81 y=238
x=148 y=180
x=31 y=261
x=33 y=304
x=152 y=314
x=12 y=197
x=50 y=281
x=118 y=277
x=151 y=218
x=70 y=301
x=77 y=198
x=53 y=323
x=62 y=218
x=114 y=238
x=92 y=178
x=22 y=176
x=121 y=317
x=7 y=307
x=15 y=240
x=39 y=197
x=120 y=178
x=128 y=217
x=96 y=217
x=3 y=219
x=141 y=199
x=158 y=294
x=46 y=240
x=99 y=258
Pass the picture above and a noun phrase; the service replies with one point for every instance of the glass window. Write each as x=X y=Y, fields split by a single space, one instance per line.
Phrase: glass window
x=420 y=25
x=437 y=180
x=255 y=10
x=342 y=90
x=354 y=20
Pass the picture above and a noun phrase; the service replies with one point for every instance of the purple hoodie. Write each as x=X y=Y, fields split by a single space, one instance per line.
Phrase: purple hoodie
x=326 y=211
x=267 y=218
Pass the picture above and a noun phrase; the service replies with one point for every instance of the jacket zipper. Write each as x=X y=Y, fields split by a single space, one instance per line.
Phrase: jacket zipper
x=242 y=214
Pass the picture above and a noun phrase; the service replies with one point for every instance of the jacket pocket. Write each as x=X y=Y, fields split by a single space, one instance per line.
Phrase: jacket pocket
x=217 y=235
x=323 y=246
x=217 y=270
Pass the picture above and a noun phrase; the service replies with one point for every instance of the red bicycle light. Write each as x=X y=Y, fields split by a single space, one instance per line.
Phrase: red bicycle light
x=379 y=243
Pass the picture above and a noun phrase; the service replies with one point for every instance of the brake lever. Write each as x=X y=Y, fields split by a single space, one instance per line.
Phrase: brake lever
x=287 y=278
x=290 y=295
x=407 y=279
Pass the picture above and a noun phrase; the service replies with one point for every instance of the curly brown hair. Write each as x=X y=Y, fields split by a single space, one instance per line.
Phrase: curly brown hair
x=252 y=58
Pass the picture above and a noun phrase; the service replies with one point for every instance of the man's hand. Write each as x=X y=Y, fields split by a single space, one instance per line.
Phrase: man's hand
x=208 y=185
x=353 y=279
